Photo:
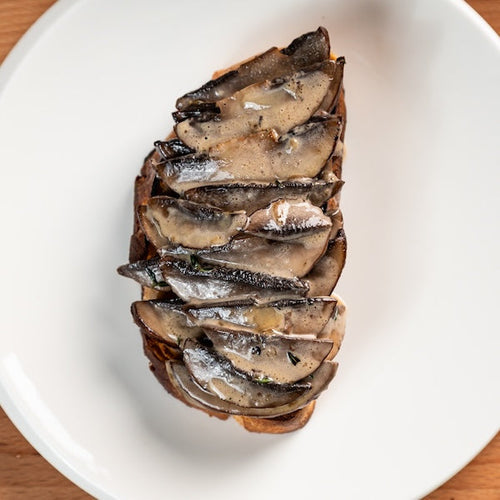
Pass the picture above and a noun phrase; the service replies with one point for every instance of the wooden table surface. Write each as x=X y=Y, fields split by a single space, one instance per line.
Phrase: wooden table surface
x=24 y=474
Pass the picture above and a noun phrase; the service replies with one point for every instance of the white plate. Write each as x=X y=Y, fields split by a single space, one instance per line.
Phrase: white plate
x=83 y=97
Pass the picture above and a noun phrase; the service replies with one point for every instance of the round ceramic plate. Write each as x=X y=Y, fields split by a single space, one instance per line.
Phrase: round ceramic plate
x=83 y=97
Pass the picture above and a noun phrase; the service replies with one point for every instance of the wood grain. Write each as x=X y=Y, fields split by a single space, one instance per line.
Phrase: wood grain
x=25 y=475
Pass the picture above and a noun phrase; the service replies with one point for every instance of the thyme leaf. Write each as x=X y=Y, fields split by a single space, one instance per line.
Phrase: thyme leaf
x=195 y=262
x=263 y=380
x=154 y=281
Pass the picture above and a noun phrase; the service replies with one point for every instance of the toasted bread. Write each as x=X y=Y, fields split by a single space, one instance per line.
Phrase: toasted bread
x=160 y=351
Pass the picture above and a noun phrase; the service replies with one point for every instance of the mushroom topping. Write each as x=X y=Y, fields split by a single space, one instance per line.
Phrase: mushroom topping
x=168 y=221
x=289 y=316
x=283 y=359
x=264 y=157
x=280 y=105
x=174 y=321
x=332 y=96
x=196 y=282
x=335 y=216
x=325 y=274
x=305 y=316
x=287 y=259
x=286 y=220
x=250 y=197
x=333 y=167
x=165 y=319
x=201 y=112
x=171 y=148
x=195 y=395
x=335 y=327
x=304 y=51
x=259 y=157
x=217 y=375
x=190 y=171
x=146 y=272
x=296 y=236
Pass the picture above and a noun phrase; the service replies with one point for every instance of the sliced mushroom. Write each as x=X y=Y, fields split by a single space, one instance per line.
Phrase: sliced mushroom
x=305 y=316
x=168 y=221
x=261 y=157
x=190 y=171
x=251 y=197
x=289 y=259
x=333 y=211
x=195 y=395
x=289 y=316
x=296 y=235
x=333 y=167
x=200 y=111
x=194 y=282
x=325 y=274
x=165 y=319
x=171 y=148
x=302 y=52
x=146 y=272
x=217 y=374
x=283 y=359
x=310 y=47
x=285 y=220
x=265 y=157
x=280 y=105
x=195 y=290
x=335 y=327
x=332 y=96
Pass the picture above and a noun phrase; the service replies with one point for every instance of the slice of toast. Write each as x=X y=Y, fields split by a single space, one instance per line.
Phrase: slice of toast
x=159 y=351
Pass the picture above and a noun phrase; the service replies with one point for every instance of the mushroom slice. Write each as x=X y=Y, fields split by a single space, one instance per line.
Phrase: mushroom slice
x=280 y=105
x=168 y=221
x=289 y=316
x=146 y=272
x=201 y=111
x=173 y=147
x=193 y=282
x=216 y=374
x=305 y=316
x=259 y=157
x=251 y=197
x=303 y=51
x=336 y=217
x=185 y=172
x=286 y=220
x=173 y=321
x=289 y=259
x=332 y=96
x=333 y=167
x=195 y=395
x=283 y=359
x=335 y=327
x=263 y=157
x=296 y=236
x=323 y=278
x=165 y=319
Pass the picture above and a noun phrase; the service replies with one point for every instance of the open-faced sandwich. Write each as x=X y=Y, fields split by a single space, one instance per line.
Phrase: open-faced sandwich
x=238 y=239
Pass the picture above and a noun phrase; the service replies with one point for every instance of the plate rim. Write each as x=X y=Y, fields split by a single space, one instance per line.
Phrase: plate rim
x=8 y=68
